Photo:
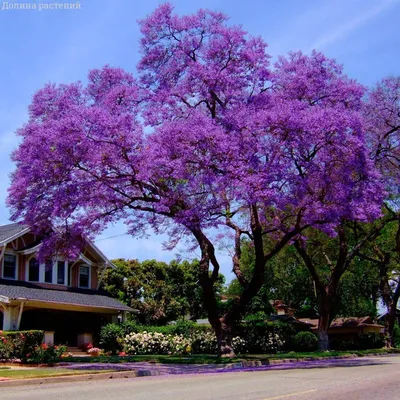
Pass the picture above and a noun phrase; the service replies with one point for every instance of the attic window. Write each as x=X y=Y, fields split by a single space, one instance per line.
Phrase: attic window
x=84 y=276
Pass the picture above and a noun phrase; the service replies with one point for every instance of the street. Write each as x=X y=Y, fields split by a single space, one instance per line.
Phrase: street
x=377 y=379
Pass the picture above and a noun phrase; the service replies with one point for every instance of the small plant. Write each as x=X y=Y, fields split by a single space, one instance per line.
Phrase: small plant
x=111 y=338
x=305 y=341
x=94 y=351
x=86 y=346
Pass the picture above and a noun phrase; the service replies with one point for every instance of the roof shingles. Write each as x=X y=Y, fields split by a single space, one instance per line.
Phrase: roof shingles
x=10 y=230
x=81 y=297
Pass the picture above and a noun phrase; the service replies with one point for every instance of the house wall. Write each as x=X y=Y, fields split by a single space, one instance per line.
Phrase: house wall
x=21 y=275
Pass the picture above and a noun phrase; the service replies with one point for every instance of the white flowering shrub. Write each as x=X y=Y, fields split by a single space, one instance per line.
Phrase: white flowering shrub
x=204 y=343
x=239 y=345
x=271 y=342
x=158 y=343
x=155 y=343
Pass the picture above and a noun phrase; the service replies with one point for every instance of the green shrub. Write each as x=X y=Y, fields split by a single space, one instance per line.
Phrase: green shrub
x=45 y=354
x=266 y=337
x=111 y=338
x=344 y=344
x=396 y=335
x=18 y=344
x=305 y=341
x=371 y=341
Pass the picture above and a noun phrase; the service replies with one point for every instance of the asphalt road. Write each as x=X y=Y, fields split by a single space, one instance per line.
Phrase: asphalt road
x=375 y=380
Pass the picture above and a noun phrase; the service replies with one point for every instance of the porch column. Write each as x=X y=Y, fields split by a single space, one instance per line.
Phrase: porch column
x=11 y=317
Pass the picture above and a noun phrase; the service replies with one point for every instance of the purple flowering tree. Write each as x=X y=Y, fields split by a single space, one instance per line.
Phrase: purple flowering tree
x=208 y=142
x=382 y=119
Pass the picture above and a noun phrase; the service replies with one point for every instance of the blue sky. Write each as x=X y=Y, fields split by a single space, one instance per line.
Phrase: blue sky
x=61 y=46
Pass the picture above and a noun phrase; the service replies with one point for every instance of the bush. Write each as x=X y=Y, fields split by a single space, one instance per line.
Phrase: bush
x=45 y=354
x=156 y=343
x=111 y=338
x=159 y=343
x=305 y=341
x=267 y=337
x=371 y=341
x=18 y=344
x=204 y=343
x=396 y=335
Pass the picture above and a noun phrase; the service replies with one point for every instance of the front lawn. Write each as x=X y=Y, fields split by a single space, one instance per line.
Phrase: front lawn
x=42 y=373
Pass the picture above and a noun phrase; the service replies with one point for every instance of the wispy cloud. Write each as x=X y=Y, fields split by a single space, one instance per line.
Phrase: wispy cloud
x=342 y=31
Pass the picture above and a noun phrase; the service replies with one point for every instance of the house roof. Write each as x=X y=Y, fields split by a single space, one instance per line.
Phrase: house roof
x=9 y=231
x=12 y=231
x=349 y=322
x=81 y=297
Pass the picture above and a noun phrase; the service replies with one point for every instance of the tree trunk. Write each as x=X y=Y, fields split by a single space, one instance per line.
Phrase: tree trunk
x=225 y=341
x=323 y=324
x=390 y=320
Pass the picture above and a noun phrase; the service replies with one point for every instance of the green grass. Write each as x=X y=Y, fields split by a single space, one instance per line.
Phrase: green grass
x=42 y=373
x=212 y=359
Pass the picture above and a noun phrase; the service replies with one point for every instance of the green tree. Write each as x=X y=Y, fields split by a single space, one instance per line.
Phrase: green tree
x=161 y=292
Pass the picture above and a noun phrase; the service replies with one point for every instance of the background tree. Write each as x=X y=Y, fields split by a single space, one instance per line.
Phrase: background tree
x=230 y=144
x=161 y=292
x=381 y=112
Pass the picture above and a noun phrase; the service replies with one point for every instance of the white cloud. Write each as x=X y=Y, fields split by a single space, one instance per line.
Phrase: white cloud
x=342 y=31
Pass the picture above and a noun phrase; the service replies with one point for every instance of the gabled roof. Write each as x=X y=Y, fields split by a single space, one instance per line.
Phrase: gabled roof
x=11 y=290
x=10 y=231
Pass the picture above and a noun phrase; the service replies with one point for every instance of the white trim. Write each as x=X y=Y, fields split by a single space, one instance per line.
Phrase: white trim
x=31 y=250
x=17 y=235
x=3 y=250
x=85 y=259
x=77 y=304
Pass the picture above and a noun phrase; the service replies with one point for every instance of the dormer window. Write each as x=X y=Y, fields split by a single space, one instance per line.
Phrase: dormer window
x=34 y=267
x=84 y=275
x=10 y=266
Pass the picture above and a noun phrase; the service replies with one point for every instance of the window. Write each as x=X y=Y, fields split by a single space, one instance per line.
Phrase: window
x=10 y=266
x=33 y=275
x=61 y=272
x=69 y=273
x=84 y=276
x=48 y=271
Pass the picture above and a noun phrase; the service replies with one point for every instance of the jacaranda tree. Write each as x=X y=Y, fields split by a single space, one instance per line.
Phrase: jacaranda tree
x=382 y=120
x=208 y=142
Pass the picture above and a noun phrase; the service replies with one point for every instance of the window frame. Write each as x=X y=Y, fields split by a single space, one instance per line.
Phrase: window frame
x=10 y=253
x=29 y=269
x=89 y=276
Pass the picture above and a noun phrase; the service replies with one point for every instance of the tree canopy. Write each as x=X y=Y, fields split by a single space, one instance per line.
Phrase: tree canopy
x=208 y=135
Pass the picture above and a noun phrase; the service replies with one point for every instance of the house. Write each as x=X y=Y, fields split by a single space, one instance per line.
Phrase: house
x=347 y=327
x=58 y=296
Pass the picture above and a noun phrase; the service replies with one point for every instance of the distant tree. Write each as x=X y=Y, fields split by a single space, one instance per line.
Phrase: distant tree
x=161 y=292
x=381 y=112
